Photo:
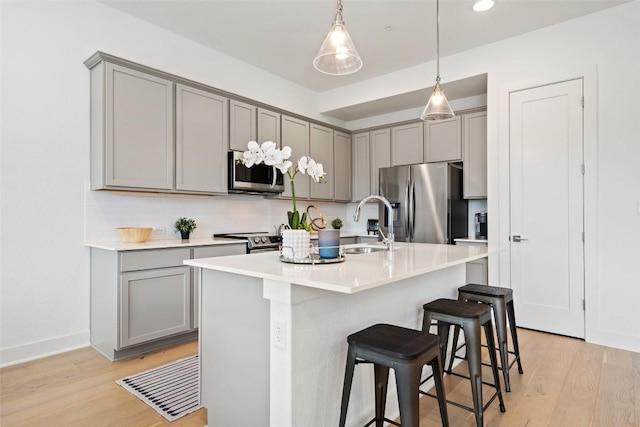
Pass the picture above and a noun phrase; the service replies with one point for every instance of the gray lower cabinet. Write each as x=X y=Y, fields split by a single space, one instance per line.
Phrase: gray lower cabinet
x=154 y=304
x=144 y=300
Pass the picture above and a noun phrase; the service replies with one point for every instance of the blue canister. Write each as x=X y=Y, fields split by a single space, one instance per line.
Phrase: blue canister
x=329 y=243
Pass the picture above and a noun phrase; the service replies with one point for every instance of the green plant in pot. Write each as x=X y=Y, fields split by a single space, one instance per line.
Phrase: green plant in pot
x=185 y=226
x=337 y=223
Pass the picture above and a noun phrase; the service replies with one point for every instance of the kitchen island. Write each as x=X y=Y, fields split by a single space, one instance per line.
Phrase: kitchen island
x=273 y=334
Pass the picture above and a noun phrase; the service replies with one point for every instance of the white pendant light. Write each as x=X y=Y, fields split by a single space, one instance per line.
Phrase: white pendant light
x=338 y=55
x=438 y=107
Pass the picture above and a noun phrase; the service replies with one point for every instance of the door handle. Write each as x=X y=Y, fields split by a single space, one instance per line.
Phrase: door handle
x=517 y=239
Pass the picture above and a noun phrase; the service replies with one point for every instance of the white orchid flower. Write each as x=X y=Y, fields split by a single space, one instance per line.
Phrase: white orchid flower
x=302 y=164
x=284 y=166
x=315 y=170
x=286 y=152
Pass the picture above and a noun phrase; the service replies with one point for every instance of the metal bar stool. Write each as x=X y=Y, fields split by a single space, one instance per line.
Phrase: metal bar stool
x=404 y=350
x=471 y=318
x=501 y=300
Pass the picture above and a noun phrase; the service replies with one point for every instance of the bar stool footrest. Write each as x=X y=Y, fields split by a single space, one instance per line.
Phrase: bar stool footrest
x=386 y=420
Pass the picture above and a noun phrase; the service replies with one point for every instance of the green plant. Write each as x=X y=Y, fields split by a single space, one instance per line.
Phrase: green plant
x=185 y=225
x=337 y=223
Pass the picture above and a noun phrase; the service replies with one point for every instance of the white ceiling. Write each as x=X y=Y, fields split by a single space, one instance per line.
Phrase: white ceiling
x=282 y=36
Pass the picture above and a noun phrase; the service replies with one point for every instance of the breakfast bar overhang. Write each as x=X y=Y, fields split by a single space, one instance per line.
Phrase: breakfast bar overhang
x=273 y=334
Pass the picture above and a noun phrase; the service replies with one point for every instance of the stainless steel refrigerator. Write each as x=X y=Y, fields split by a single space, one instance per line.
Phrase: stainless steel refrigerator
x=427 y=202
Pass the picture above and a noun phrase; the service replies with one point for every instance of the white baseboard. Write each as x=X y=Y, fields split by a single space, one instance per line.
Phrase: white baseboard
x=37 y=350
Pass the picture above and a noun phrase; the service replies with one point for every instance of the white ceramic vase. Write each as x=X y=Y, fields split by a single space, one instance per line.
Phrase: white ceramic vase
x=295 y=243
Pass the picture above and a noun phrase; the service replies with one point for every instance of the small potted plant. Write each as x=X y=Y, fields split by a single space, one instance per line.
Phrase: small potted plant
x=185 y=226
x=337 y=223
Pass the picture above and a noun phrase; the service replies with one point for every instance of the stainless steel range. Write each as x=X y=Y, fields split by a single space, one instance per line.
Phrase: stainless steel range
x=257 y=242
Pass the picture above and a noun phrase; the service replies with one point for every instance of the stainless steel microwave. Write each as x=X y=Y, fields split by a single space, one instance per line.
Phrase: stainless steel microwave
x=256 y=179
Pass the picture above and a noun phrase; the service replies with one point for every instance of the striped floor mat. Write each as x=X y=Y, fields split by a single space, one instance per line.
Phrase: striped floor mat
x=173 y=390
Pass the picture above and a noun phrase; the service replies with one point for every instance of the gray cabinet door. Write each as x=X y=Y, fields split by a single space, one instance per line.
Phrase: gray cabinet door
x=407 y=144
x=342 y=166
x=138 y=150
x=201 y=141
x=321 y=150
x=443 y=140
x=361 y=161
x=268 y=126
x=380 y=156
x=242 y=125
x=154 y=304
x=474 y=136
x=295 y=134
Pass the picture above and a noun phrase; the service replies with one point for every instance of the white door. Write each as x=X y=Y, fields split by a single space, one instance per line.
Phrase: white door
x=546 y=180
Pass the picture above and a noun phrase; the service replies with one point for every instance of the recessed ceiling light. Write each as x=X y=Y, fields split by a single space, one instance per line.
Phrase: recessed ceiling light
x=482 y=5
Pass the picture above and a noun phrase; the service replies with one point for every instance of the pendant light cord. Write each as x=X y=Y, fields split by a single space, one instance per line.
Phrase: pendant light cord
x=437 y=41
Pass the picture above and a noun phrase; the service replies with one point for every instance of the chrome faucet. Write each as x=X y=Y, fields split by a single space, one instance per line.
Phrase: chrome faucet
x=388 y=239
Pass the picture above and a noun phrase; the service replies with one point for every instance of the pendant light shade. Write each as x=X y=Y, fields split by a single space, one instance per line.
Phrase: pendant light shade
x=338 y=55
x=438 y=107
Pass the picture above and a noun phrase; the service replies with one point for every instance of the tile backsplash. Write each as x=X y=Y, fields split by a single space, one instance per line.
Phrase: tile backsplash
x=107 y=210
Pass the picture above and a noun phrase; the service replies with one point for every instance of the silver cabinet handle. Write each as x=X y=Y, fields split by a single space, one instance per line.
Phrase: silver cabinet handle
x=518 y=239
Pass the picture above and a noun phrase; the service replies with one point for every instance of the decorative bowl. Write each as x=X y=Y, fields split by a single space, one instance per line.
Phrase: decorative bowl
x=134 y=234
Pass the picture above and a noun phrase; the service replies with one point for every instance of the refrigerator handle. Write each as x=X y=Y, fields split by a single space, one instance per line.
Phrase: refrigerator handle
x=410 y=204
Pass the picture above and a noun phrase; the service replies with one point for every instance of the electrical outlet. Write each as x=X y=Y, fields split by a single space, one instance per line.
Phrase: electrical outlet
x=280 y=334
x=159 y=230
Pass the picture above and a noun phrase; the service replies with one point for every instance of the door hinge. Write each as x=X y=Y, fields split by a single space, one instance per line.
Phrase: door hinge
x=582 y=169
x=584 y=306
x=582 y=102
x=583 y=237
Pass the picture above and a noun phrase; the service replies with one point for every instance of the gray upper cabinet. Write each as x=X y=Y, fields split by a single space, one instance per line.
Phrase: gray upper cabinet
x=131 y=129
x=268 y=126
x=321 y=150
x=474 y=138
x=342 y=166
x=380 y=156
x=443 y=140
x=295 y=134
x=242 y=125
x=407 y=144
x=201 y=140
x=361 y=161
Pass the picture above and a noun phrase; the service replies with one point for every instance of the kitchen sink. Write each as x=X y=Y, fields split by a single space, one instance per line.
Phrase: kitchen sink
x=365 y=249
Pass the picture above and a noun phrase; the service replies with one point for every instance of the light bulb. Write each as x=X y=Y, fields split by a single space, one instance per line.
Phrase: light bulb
x=337 y=35
x=342 y=52
x=482 y=5
x=437 y=98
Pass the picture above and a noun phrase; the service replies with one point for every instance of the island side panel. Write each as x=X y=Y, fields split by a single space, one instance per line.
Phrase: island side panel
x=234 y=349
x=318 y=323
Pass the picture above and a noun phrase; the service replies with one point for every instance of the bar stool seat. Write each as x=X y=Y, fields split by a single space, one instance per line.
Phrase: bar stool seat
x=471 y=317
x=404 y=350
x=501 y=301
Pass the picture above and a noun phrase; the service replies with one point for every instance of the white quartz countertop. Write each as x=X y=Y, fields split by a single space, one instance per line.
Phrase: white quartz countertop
x=357 y=273
x=470 y=240
x=163 y=244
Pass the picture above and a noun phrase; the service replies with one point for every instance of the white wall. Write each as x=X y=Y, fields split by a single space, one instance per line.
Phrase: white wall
x=44 y=278
x=45 y=208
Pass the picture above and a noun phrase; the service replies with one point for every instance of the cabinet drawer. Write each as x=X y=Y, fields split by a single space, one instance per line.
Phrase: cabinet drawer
x=146 y=259
x=219 y=250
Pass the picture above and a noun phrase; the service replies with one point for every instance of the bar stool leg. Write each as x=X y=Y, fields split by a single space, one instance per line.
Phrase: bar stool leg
x=514 y=334
x=501 y=330
x=456 y=335
x=381 y=374
x=346 y=387
x=472 y=338
x=408 y=382
x=488 y=330
x=442 y=401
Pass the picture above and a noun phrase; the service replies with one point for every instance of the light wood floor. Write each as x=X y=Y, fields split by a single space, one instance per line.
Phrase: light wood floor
x=566 y=382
